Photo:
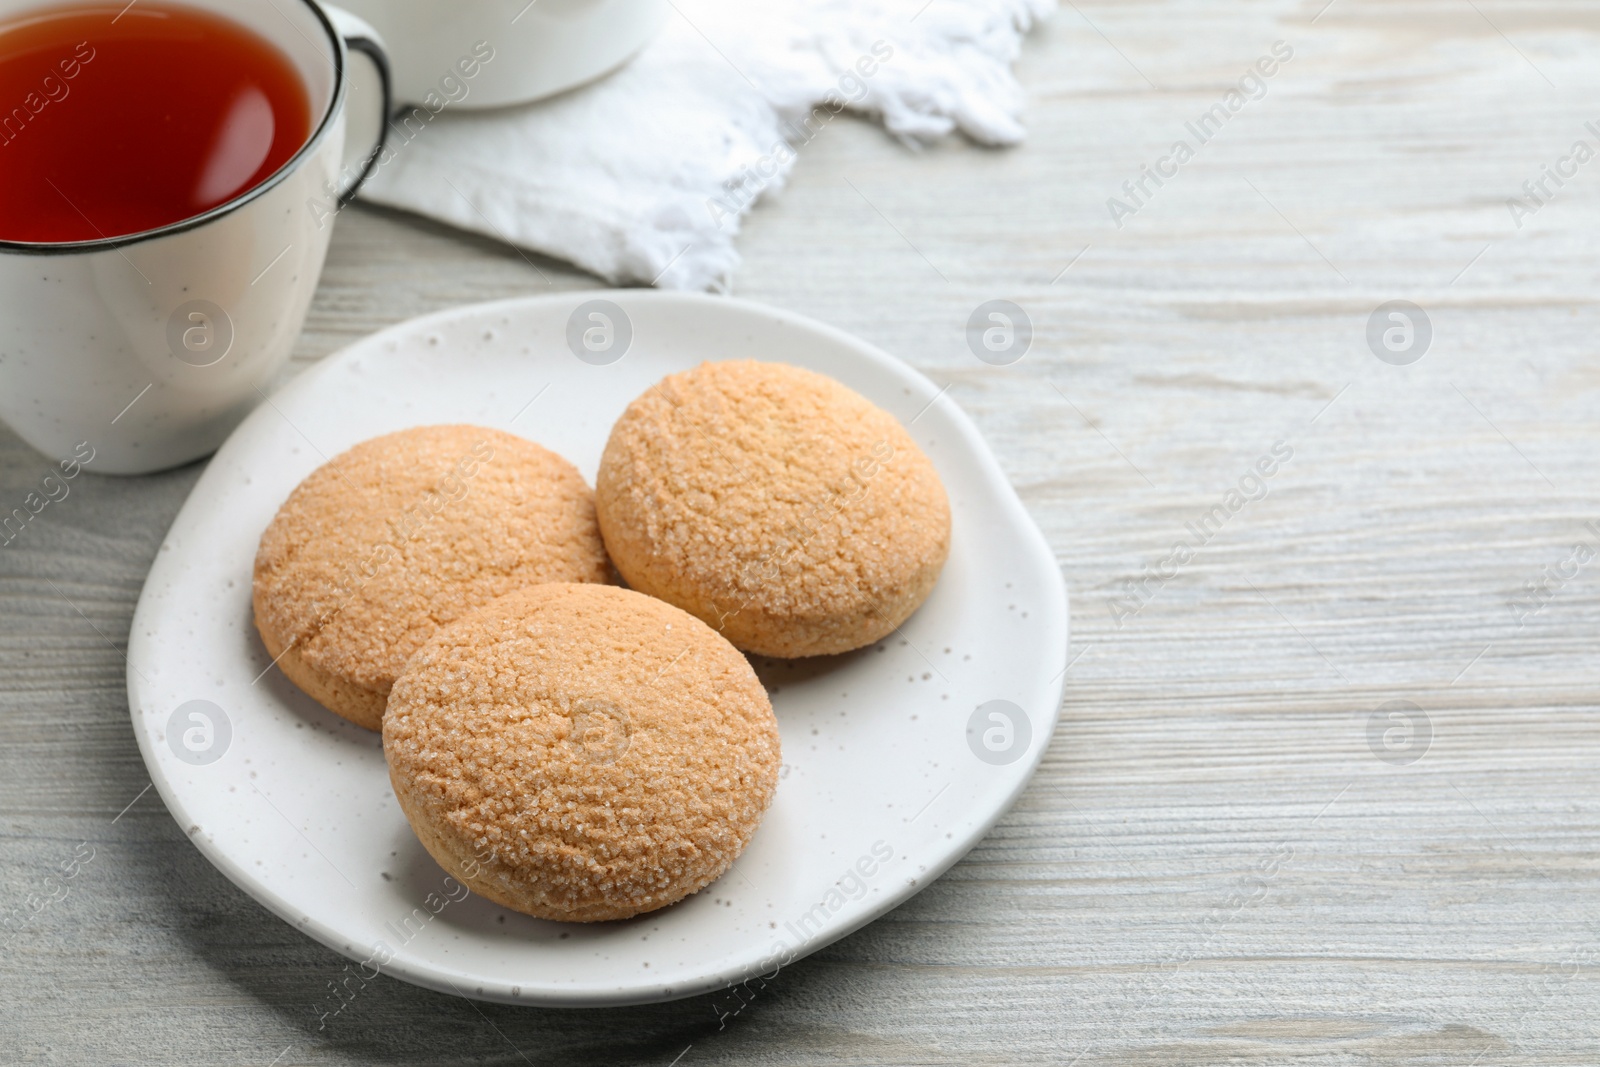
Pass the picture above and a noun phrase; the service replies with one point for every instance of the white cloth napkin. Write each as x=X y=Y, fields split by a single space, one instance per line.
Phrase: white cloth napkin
x=644 y=176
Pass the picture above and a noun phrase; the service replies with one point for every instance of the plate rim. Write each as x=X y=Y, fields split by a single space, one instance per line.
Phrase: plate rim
x=439 y=979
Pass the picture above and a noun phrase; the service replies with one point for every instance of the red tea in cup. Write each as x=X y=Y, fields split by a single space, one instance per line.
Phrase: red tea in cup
x=119 y=119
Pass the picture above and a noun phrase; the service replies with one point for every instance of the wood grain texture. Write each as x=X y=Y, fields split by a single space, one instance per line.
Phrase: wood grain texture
x=1212 y=866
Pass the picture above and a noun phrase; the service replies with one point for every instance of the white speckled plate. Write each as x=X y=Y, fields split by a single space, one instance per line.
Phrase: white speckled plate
x=896 y=760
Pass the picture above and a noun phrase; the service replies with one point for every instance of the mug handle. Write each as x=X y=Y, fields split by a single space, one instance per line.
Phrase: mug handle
x=360 y=38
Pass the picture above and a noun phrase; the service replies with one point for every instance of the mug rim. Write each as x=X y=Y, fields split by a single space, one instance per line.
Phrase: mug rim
x=277 y=177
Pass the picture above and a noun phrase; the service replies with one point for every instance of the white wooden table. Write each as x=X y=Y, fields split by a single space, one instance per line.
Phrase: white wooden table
x=1222 y=860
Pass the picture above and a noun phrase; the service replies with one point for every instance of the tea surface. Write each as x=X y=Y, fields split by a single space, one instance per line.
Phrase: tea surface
x=115 y=120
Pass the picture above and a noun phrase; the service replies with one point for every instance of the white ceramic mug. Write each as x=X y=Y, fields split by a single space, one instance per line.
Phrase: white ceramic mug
x=151 y=347
x=535 y=47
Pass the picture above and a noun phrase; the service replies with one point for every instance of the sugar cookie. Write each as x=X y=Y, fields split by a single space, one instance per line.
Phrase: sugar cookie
x=783 y=509
x=581 y=752
x=379 y=547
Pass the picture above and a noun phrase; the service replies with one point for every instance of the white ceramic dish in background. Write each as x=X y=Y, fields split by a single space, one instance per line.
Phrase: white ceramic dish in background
x=293 y=804
x=537 y=49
